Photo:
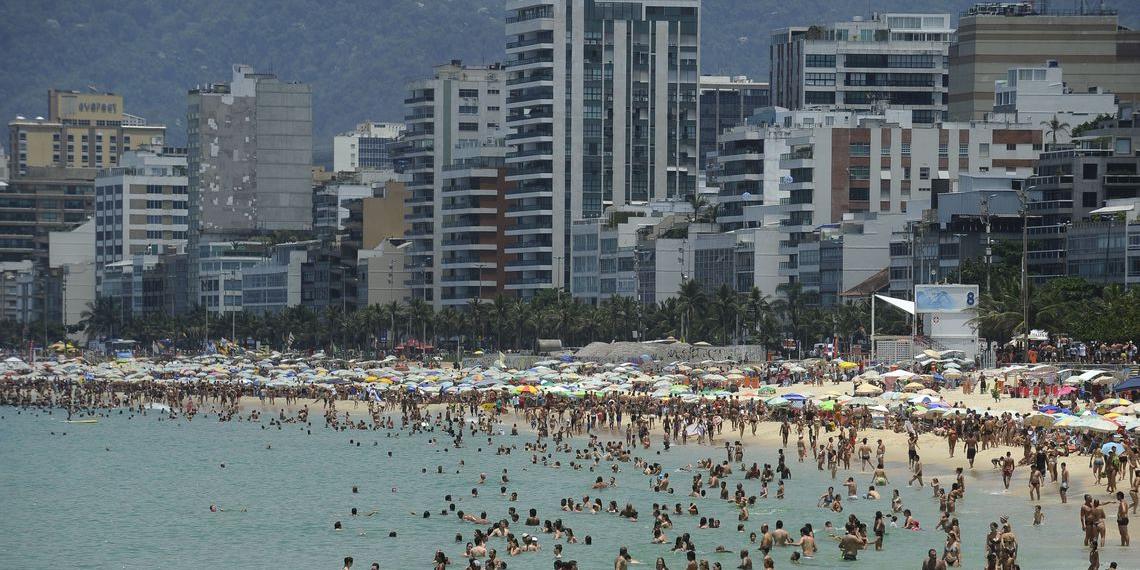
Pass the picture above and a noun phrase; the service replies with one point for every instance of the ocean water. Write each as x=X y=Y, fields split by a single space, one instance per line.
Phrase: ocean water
x=135 y=493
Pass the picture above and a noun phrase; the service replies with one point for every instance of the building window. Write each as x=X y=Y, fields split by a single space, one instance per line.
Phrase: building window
x=984 y=149
x=819 y=98
x=886 y=149
x=819 y=60
x=859 y=173
x=906 y=149
x=924 y=173
x=1010 y=146
x=963 y=149
x=469 y=93
x=860 y=149
x=819 y=79
x=469 y=126
x=469 y=109
x=943 y=151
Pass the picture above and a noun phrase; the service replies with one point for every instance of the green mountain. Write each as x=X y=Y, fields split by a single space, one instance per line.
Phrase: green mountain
x=356 y=54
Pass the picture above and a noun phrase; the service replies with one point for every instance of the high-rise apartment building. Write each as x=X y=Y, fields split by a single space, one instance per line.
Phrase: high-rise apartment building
x=1038 y=94
x=895 y=60
x=726 y=101
x=603 y=111
x=1092 y=46
x=835 y=166
x=459 y=106
x=250 y=146
x=141 y=207
x=475 y=216
x=371 y=146
x=82 y=130
x=45 y=199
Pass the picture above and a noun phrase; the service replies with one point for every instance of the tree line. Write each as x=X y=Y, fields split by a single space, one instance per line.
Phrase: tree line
x=720 y=317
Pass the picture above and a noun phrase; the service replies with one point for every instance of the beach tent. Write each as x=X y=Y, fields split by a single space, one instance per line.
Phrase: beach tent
x=1132 y=383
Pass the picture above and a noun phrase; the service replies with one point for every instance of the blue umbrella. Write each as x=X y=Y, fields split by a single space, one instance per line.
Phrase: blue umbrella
x=794 y=397
x=1112 y=446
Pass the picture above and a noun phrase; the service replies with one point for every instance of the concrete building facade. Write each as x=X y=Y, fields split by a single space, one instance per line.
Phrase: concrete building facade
x=371 y=146
x=141 y=207
x=603 y=110
x=250 y=149
x=894 y=59
x=726 y=101
x=1091 y=45
x=1038 y=94
x=82 y=130
x=43 y=200
x=459 y=106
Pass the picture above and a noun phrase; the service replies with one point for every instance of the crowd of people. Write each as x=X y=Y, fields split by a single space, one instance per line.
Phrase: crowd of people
x=604 y=435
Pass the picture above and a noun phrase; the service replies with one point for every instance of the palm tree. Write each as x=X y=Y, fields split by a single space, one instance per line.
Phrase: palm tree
x=1054 y=126
x=793 y=306
x=101 y=316
x=390 y=314
x=500 y=315
x=419 y=311
x=691 y=301
x=725 y=308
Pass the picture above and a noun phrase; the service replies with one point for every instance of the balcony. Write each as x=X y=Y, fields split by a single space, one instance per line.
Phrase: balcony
x=542 y=39
x=532 y=78
x=1121 y=179
x=534 y=114
x=420 y=99
x=529 y=60
x=531 y=226
x=419 y=116
x=1055 y=180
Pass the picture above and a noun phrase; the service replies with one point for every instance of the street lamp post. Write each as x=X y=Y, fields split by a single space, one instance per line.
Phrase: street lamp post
x=1024 y=196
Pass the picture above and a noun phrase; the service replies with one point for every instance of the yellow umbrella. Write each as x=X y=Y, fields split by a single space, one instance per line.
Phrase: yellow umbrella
x=913 y=387
x=846 y=365
x=1114 y=402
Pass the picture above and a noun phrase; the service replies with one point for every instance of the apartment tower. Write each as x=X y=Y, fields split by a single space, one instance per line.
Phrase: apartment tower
x=602 y=109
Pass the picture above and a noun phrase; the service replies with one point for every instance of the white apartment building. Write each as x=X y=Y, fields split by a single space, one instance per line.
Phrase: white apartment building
x=140 y=207
x=370 y=146
x=461 y=105
x=603 y=111
x=894 y=59
x=1036 y=95
x=835 y=164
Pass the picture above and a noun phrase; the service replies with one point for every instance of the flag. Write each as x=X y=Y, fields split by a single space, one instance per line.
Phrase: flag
x=289 y=340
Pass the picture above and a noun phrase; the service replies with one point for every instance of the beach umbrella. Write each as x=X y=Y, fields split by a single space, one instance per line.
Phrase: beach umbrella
x=767 y=389
x=777 y=401
x=899 y=374
x=892 y=395
x=868 y=389
x=794 y=397
x=1094 y=422
x=913 y=387
x=1043 y=420
x=848 y=365
x=861 y=401
x=828 y=406
x=1110 y=402
x=828 y=396
x=1111 y=447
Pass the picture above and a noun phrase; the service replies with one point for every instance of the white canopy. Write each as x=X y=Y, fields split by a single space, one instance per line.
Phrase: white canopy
x=903 y=304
